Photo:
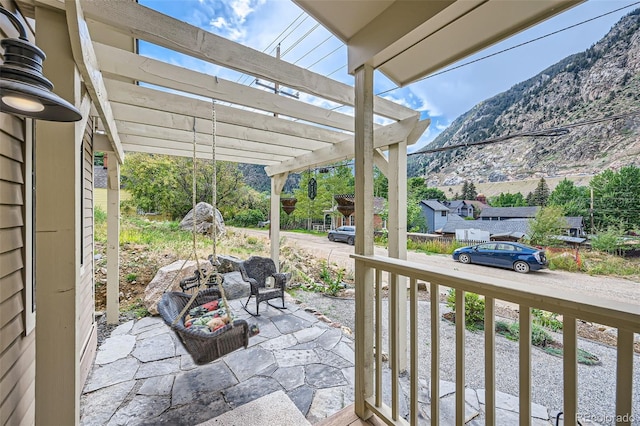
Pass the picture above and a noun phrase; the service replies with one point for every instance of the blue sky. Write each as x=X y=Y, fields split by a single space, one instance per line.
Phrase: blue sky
x=260 y=23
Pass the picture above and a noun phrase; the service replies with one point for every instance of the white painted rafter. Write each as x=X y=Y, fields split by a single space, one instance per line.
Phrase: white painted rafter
x=162 y=121
x=87 y=64
x=148 y=98
x=141 y=22
x=117 y=62
x=409 y=129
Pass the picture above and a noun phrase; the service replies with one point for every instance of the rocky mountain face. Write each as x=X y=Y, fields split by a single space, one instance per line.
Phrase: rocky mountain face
x=590 y=101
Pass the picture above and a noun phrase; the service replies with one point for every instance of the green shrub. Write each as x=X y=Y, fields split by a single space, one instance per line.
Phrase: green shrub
x=247 y=218
x=473 y=309
x=563 y=262
x=546 y=319
x=333 y=286
x=539 y=337
x=99 y=215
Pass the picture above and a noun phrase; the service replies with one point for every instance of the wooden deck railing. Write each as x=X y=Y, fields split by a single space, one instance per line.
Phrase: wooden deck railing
x=572 y=306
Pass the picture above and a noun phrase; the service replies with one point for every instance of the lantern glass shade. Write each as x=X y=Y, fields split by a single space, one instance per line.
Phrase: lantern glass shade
x=24 y=90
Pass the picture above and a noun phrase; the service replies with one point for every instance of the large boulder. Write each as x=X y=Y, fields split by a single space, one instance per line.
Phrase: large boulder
x=168 y=279
x=227 y=263
x=204 y=220
x=235 y=287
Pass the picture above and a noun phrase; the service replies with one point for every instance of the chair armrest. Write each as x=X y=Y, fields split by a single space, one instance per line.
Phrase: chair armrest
x=281 y=279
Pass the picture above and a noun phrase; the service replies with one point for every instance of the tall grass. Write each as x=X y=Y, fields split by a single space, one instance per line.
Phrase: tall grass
x=435 y=246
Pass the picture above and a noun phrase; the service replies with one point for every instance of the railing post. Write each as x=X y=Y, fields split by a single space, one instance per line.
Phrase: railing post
x=624 y=382
x=490 y=360
x=435 y=354
x=570 y=369
x=460 y=377
x=525 y=365
x=363 y=165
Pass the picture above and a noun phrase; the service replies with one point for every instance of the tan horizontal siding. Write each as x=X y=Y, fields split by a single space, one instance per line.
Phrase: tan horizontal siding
x=10 y=239
x=10 y=262
x=12 y=126
x=10 y=170
x=11 y=148
x=10 y=309
x=11 y=332
x=20 y=395
x=10 y=216
x=10 y=285
x=10 y=193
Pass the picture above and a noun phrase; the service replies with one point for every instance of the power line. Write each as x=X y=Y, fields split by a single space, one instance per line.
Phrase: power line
x=314 y=48
x=244 y=76
x=300 y=39
x=513 y=47
x=325 y=56
x=552 y=132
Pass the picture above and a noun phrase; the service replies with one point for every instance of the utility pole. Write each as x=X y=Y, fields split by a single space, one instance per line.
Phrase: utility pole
x=591 y=212
x=276 y=88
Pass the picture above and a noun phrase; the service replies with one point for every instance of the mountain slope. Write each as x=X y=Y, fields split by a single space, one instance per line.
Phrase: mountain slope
x=602 y=82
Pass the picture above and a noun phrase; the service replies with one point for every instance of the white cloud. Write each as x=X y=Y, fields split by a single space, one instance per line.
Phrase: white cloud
x=219 y=23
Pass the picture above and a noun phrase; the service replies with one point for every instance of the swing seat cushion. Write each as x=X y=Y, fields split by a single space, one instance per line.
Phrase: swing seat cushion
x=203 y=346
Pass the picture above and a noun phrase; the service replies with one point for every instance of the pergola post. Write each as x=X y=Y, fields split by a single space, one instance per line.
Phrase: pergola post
x=58 y=236
x=397 y=241
x=364 y=237
x=113 y=242
x=277 y=183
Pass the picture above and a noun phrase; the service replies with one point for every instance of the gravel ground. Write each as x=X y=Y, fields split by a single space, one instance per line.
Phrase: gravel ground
x=596 y=387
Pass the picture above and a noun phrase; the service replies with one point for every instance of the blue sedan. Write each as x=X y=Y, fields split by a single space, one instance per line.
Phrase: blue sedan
x=519 y=257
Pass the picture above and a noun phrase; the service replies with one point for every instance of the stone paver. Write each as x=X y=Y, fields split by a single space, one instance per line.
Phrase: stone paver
x=143 y=375
x=115 y=348
x=116 y=372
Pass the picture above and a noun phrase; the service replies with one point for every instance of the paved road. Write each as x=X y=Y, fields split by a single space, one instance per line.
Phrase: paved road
x=616 y=289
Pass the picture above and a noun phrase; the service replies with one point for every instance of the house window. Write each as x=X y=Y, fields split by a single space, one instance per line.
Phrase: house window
x=29 y=234
x=443 y=213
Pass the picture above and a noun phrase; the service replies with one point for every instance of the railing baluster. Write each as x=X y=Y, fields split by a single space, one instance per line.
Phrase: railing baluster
x=394 y=342
x=460 y=323
x=624 y=387
x=378 y=360
x=490 y=360
x=525 y=365
x=413 y=292
x=570 y=369
x=435 y=354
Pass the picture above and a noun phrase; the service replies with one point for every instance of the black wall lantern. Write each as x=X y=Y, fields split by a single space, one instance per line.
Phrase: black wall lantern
x=24 y=90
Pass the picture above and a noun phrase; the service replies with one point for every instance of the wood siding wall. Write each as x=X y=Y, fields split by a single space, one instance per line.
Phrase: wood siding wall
x=17 y=351
x=86 y=300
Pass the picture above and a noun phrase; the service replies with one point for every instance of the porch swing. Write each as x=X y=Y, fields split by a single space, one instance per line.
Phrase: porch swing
x=174 y=307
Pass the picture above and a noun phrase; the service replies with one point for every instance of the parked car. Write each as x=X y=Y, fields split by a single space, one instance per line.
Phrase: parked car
x=519 y=257
x=346 y=234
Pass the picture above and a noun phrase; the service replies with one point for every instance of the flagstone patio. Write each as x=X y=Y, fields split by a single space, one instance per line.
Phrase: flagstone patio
x=143 y=376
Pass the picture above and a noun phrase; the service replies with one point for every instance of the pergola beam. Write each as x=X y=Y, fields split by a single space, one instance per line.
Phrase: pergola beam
x=158 y=121
x=203 y=140
x=121 y=63
x=148 y=98
x=409 y=129
x=141 y=22
x=85 y=59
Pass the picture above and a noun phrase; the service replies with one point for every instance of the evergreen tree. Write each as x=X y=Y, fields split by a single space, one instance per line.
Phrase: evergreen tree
x=541 y=194
x=471 y=193
x=465 y=190
x=530 y=200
